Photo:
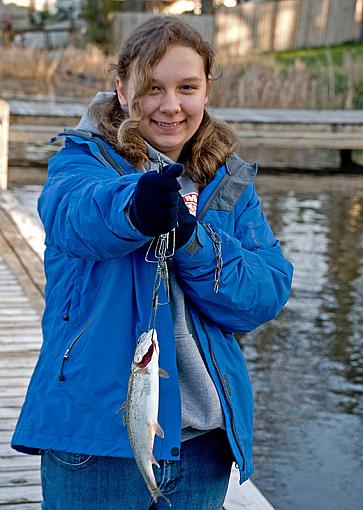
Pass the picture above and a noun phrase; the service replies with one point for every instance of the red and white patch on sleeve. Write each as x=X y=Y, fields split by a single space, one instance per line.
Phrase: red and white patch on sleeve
x=191 y=201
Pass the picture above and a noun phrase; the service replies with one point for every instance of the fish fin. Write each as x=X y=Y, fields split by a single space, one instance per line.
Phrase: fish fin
x=121 y=408
x=154 y=461
x=141 y=371
x=157 y=493
x=163 y=373
x=158 y=430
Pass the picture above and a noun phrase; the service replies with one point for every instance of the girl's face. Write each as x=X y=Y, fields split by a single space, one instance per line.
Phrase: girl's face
x=173 y=108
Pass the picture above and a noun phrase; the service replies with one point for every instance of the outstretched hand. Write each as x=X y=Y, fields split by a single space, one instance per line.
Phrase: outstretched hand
x=154 y=207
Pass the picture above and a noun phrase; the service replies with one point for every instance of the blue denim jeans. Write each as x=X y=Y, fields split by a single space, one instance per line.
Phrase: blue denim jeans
x=198 y=481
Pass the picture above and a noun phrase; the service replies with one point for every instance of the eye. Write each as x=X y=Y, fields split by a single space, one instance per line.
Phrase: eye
x=155 y=89
x=188 y=88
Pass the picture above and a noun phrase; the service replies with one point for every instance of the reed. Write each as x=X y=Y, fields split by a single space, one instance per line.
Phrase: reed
x=258 y=82
x=263 y=84
x=68 y=72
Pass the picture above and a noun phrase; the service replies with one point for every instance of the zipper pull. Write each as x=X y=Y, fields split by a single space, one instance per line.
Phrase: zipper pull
x=66 y=315
x=65 y=357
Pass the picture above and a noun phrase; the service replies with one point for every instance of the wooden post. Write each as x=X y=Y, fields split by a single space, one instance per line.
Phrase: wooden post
x=4 y=143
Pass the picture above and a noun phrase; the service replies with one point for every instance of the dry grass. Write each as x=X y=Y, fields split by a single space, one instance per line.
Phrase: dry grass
x=68 y=72
x=257 y=83
x=264 y=84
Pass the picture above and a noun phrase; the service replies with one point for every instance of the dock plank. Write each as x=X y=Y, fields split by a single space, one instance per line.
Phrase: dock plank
x=17 y=392
x=19 y=462
x=13 y=478
x=307 y=132
x=300 y=139
x=24 y=506
x=20 y=494
x=46 y=108
x=19 y=108
x=7 y=424
x=20 y=339
x=245 y=497
x=287 y=116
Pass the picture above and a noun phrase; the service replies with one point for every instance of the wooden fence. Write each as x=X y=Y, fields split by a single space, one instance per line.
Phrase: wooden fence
x=268 y=26
x=291 y=24
x=123 y=23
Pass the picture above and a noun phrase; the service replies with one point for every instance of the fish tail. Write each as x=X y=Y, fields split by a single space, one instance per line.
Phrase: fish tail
x=157 y=493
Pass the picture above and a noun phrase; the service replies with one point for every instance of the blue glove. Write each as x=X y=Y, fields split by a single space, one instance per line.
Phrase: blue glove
x=154 y=206
x=186 y=224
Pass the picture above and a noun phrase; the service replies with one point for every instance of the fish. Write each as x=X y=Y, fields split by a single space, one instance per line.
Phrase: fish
x=141 y=408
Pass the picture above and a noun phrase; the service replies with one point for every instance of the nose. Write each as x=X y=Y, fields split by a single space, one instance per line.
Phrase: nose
x=170 y=104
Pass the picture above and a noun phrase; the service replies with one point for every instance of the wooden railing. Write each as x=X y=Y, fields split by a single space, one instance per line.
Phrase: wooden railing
x=272 y=136
x=4 y=143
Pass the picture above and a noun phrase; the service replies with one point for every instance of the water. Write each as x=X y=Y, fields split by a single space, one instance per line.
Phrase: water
x=307 y=365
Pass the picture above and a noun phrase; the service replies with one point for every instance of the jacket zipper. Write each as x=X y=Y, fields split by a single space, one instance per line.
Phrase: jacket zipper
x=226 y=393
x=73 y=343
x=100 y=145
x=108 y=157
x=200 y=215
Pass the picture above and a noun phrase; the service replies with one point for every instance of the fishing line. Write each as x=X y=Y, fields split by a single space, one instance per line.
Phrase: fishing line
x=164 y=249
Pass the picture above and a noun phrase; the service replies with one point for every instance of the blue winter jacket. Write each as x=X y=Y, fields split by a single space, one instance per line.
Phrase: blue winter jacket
x=98 y=298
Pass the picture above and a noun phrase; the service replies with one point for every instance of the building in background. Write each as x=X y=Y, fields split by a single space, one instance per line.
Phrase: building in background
x=69 y=9
x=38 y=5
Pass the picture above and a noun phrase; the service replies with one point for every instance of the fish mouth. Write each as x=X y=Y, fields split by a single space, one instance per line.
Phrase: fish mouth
x=147 y=357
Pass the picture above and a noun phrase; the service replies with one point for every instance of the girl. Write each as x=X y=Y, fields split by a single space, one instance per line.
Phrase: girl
x=102 y=207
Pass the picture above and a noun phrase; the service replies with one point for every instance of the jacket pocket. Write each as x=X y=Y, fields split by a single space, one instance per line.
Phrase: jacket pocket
x=70 y=461
x=69 y=294
x=69 y=349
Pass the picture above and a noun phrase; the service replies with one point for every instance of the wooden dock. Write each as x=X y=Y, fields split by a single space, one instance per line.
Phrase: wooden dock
x=21 y=304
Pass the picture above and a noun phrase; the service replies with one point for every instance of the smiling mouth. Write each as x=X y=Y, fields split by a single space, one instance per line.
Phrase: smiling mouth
x=168 y=124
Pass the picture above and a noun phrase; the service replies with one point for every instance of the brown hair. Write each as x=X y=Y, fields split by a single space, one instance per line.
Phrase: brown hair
x=212 y=143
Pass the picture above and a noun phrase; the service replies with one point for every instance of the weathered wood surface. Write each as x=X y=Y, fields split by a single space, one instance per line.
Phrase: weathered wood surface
x=21 y=304
x=274 y=26
x=289 y=116
x=251 y=27
x=24 y=263
x=275 y=137
x=24 y=506
x=46 y=109
x=39 y=110
x=19 y=474
x=4 y=143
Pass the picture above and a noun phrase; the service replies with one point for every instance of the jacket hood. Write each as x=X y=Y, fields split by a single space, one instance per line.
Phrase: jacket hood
x=87 y=122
